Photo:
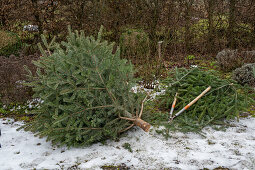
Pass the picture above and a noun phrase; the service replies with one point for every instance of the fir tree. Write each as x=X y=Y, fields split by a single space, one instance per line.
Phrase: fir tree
x=226 y=100
x=86 y=91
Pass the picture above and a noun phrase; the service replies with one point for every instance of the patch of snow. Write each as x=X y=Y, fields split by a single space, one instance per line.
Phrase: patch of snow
x=19 y=83
x=193 y=66
x=31 y=28
x=158 y=90
x=34 y=103
x=233 y=148
x=31 y=104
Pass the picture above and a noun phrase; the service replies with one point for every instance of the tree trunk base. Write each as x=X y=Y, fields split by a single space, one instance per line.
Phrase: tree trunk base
x=142 y=124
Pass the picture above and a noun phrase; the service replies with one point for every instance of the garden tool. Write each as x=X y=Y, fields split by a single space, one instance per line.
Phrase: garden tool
x=187 y=106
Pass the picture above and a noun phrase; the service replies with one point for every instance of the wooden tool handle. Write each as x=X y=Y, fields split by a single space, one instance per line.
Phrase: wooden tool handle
x=173 y=105
x=175 y=99
x=192 y=102
x=198 y=97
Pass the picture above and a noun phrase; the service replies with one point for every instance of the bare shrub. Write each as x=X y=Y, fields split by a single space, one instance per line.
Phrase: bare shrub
x=228 y=59
x=231 y=59
x=245 y=75
x=12 y=75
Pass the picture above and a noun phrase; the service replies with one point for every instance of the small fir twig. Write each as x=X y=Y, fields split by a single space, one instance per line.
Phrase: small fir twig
x=79 y=88
x=182 y=77
x=127 y=128
x=102 y=80
x=126 y=118
x=137 y=119
x=88 y=128
x=91 y=108
x=231 y=84
x=136 y=113
x=141 y=112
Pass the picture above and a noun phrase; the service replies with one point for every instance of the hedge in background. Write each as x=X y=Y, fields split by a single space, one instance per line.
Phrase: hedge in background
x=135 y=46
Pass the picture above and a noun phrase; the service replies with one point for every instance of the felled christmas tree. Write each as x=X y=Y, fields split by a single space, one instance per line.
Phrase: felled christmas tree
x=225 y=100
x=86 y=91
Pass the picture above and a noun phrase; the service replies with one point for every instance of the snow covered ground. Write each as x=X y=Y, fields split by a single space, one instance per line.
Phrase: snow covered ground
x=234 y=149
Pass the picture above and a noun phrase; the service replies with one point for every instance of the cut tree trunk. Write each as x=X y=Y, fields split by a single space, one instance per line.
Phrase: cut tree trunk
x=142 y=124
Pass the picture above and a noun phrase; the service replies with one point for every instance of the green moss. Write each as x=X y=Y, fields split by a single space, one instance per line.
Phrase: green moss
x=18 y=111
x=9 y=43
x=127 y=146
x=251 y=110
x=108 y=35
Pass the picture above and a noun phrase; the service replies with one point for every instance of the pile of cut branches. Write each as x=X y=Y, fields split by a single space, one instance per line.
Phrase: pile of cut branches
x=225 y=100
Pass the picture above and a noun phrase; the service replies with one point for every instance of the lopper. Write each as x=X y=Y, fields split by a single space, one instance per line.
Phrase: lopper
x=171 y=117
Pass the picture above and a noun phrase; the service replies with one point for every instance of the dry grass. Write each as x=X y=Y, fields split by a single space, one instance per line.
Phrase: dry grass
x=6 y=39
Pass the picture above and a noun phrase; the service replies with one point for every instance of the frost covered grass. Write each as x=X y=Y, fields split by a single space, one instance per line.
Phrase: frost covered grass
x=232 y=148
x=30 y=104
x=20 y=111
